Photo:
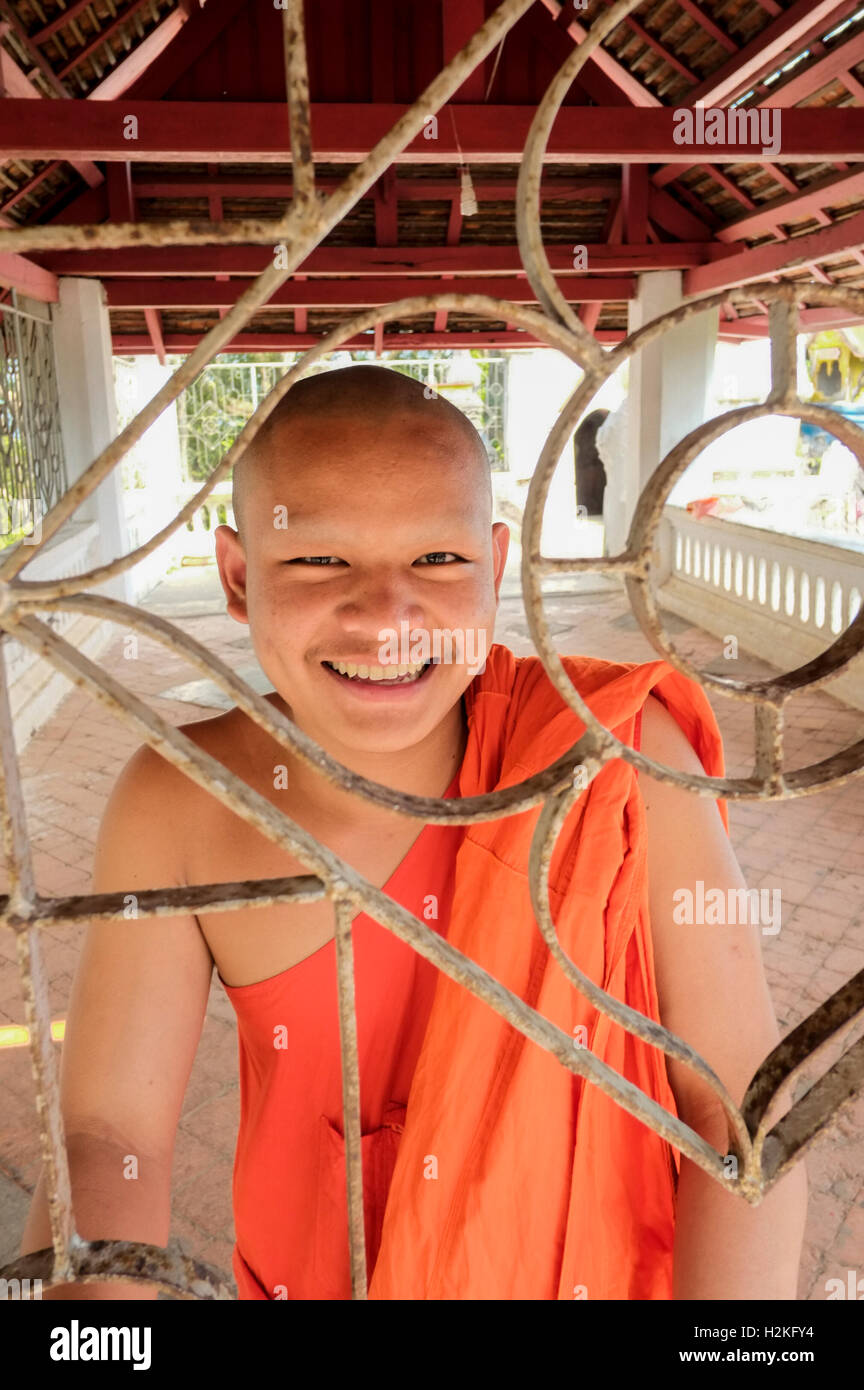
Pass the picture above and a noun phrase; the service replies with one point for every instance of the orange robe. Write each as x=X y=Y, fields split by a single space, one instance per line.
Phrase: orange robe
x=513 y=1179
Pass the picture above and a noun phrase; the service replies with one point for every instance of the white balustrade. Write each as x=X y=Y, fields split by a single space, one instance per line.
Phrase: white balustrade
x=784 y=597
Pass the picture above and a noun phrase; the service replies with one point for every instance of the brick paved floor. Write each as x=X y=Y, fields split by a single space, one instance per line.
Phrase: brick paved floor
x=811 y=848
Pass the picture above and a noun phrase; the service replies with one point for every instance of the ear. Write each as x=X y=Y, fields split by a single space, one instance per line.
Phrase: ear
x=500 y=547
x=231 y=562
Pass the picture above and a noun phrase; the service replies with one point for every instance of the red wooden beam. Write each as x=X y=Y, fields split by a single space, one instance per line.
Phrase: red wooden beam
x=613 y=226
x=590 y=315
x=324 y=294
x=812 y=41
x=454 y=231
x=31 y=49
x=197 y=35
x=760 y=262
x=810 y=320
x=703 y=211
x=433 y=261
x=153 y=319
x=90 y=206
x=605 y=61
x=386 y=209
x=121 y=199
x=758 y=56
x=705 y=22
x=14 y=82
x=253 y=132
x=656 y=46
x=780 y=176
x=25 y=189
x=214 y=196
x=726 y=183
x=669 y=214
x=16 y=272
x=555 y=40
x=82 y=54
x=634 y=196
x=127 y=72
x=393 y=342
x=804 y=84
x=300 y=311
x=16 y=85
x=70 y=12
x=670 y=172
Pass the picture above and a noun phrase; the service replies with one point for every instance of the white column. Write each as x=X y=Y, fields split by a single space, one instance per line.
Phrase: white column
x=88 y=417
x=668 y=396
x=158 y=460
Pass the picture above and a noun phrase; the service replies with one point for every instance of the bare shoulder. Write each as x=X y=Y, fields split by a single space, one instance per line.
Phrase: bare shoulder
x=154 y=798
x=664 y=741
x=222 y=736
x=677 y=816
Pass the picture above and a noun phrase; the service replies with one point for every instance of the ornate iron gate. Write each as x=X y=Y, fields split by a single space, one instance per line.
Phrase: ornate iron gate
x=763 y=1155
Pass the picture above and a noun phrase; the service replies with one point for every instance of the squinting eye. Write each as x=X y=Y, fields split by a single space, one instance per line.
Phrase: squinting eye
x=437 y=555
x=313 y=560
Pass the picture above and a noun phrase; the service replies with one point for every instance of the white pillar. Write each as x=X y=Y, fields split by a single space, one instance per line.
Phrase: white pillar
x=158 y=461
x=668 y=396
x=88 y=417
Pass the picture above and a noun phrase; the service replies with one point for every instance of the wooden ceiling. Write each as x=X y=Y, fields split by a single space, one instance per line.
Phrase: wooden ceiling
x=207 y=84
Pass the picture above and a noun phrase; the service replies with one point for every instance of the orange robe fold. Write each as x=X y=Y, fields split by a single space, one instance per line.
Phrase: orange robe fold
x=515 y=1179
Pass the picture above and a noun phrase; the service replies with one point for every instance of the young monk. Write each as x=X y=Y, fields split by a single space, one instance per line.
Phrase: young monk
x=363 y=505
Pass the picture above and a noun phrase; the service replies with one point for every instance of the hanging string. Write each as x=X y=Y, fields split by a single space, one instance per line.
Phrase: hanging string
x=467 y=198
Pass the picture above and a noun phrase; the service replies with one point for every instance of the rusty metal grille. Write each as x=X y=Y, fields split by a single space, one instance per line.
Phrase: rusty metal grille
x=764 y=1154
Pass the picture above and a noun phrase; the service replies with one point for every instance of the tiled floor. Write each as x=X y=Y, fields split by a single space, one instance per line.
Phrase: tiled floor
x=811 y=848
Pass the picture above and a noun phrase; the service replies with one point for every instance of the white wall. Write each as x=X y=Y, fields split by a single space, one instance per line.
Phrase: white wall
x=541 y=382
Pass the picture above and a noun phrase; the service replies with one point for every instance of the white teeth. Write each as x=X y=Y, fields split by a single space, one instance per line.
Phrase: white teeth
x=378 y=673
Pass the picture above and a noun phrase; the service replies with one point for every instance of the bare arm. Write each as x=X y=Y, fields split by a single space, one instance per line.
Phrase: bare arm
x=713 y=994
x=135 y=1018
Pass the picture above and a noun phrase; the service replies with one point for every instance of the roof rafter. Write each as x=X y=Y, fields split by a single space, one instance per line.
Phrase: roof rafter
x=834 y=64
x=16 y=82
x=127 y=72
x=604 y=60
x=655 y=45
x=805 y=202
x=735 y=75
x=710 y=27
x=760 y=262
x=196 y=36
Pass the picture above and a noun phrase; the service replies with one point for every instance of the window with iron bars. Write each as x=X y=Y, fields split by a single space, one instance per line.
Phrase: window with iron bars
x=32 y=463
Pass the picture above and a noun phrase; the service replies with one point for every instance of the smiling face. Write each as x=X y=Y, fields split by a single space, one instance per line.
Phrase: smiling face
x=369 y=518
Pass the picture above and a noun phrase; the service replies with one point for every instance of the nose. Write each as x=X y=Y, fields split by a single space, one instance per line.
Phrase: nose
x=379 y=601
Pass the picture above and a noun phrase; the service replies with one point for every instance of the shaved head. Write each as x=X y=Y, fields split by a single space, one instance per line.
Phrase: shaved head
x=361 y=397
x=363 y=508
